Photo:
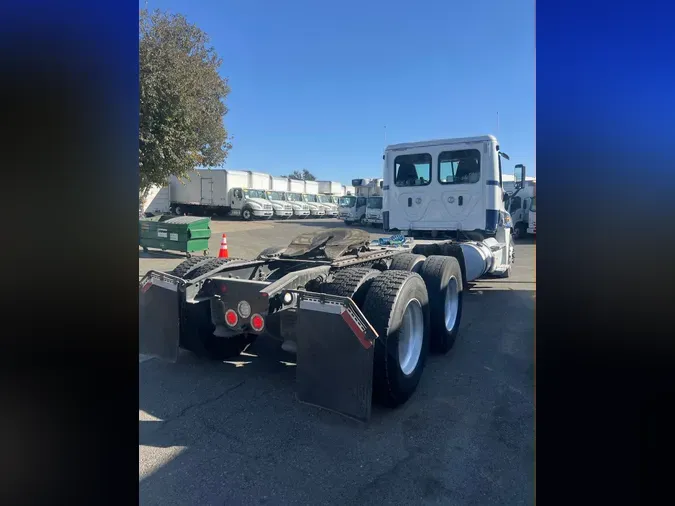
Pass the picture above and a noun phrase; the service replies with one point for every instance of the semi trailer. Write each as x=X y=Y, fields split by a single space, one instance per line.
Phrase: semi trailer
x=221 y=192
x=360 y=316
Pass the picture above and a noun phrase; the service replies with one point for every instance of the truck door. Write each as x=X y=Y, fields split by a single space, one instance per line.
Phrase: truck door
x=460 y=178
x=237 y=198
x=207 y=192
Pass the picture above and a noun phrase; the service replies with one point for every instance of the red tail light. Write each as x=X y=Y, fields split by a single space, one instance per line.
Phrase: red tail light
x=231 y=317
x=257 y=322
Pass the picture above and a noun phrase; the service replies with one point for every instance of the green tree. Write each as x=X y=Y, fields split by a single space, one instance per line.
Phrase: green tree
x=303 y=175
x=182 y=100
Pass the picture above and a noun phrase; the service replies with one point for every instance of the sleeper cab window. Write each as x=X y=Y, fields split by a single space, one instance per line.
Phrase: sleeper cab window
x=412 y=170
x=459 y=167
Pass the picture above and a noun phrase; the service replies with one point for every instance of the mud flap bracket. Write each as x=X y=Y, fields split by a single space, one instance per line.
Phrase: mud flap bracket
x=335 y=349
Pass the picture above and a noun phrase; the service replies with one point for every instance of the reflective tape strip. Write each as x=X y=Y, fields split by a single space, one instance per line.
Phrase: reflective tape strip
x=360 y=334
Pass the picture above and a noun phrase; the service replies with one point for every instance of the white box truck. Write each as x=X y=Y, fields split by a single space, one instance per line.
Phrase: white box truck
x=275 y=195
x=374 y=210
x=309 y=196
x=220 y=191
x=328 y=189
x=353 y=209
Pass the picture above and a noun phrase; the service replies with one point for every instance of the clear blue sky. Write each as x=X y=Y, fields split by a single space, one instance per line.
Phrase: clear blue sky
x=315 y=82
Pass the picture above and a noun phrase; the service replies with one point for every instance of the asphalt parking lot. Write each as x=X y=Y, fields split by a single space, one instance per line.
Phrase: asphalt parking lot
x=232 y=433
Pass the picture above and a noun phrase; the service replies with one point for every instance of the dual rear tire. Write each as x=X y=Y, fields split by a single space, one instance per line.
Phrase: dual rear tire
x=413 y=313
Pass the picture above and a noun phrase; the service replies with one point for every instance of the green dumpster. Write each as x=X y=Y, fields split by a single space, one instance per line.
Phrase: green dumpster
x=175 y=233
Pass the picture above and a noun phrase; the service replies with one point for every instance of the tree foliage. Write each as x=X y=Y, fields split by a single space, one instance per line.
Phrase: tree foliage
x=181 y=100
x=302 y=175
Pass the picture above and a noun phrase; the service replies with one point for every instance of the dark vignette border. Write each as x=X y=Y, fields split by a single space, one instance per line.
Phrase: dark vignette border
x=604 y=347
x=69 y=87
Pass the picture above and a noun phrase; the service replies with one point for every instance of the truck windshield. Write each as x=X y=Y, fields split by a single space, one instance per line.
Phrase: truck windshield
x=347 y=201
x=334 y=200
x=533 y=205
x=293 y=197
x=254 y=194
x=374 y=203
x=308 y=197
x=275 y=196
x=324 y=199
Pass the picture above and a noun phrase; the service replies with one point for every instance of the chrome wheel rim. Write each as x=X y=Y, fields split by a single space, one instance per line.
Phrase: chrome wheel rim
x=451 y=303
x=411 y=337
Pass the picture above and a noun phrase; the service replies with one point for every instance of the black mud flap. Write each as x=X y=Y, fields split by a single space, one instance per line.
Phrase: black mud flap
x=159 y=315
x=335 y=346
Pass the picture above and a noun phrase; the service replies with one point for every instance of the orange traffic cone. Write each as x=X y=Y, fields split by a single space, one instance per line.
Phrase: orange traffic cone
x=223 y=248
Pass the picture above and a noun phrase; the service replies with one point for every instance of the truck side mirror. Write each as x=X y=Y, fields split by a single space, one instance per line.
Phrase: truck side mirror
x=520 y=175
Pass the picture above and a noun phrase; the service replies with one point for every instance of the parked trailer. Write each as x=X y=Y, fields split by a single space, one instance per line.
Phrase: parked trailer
x=225 y=192
x=381 y=305
x=157 y=201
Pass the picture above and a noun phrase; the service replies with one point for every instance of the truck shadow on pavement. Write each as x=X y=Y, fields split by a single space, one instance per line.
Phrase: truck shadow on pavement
x=233 y=433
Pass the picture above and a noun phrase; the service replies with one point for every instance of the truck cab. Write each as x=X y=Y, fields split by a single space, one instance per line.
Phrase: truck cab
x=281 y=208
x=250 y=203
x=374 y=210
x=327 y=202
x=315 y=207
x=451 y=188
x=352 y=209
x=300 y=209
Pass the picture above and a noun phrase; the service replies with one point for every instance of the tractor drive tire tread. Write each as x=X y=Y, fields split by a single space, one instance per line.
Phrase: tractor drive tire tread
x=383 y=306
x=436 y=272
x=405 y=262
x=353 y=283
x=209 y=266
x=187 y=265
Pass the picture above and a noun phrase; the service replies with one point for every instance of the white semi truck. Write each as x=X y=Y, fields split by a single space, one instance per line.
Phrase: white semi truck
x=382 y=305
x=221 y=191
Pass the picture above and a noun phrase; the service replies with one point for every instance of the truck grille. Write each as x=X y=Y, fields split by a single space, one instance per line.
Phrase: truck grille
x=266 y=207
